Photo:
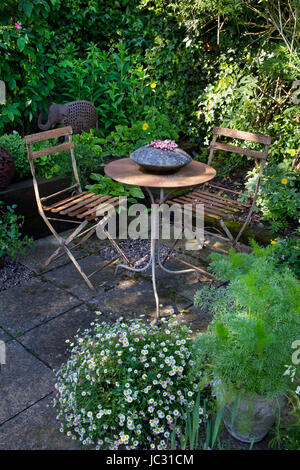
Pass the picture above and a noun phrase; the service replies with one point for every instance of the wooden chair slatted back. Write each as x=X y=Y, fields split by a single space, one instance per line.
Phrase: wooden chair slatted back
x=241 y=135
x=262 y=155
x=33 y=155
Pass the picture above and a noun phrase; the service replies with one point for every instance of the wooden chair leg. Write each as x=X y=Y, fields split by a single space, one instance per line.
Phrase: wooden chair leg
x=58 y=252
x=246 y=223
x=51 y=258
x=77 y=266
x=63 y=247
x=226 y=230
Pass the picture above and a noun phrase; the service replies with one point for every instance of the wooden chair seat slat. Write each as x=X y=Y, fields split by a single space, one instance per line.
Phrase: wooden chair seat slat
x=82 y=197
x=212 y=211
x=207 y=203
x=210 y=185
x=221 y=200
x=224 y=212
x=210 y=199
x=64 y=201
x=100 y=210
x=93 y=205
x=83 y=204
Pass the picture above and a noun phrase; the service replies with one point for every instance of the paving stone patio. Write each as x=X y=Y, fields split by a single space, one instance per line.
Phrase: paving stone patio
x=38 y=316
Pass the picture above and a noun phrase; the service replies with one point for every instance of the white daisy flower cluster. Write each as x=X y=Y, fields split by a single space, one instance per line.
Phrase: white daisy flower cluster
x=126 y=385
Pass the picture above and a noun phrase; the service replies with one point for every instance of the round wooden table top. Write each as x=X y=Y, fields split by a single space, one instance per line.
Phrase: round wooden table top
x=127 y=171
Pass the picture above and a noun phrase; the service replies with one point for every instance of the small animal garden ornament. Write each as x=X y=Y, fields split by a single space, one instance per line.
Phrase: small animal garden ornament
x=81 y=115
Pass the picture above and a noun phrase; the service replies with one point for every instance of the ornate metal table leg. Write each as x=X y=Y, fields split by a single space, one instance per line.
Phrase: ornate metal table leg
x=152 y=260
x=135 y=270
x=154 y=239
x=182 y=271
x=155 y=249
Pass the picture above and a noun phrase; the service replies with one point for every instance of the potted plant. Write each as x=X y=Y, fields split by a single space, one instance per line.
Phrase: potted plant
x=249 y=341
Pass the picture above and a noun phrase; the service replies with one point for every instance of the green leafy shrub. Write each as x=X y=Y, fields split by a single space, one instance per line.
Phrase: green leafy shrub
x=286 y=436
x=256 y=320
x=127 y=138
x=11 y=240
x=283 y=252
x=286 y=136
x=115 y=81
x=39 y=45
x=16 y=146
x=278 y=196
x=125 y=384
x=107 y=186
x=86 y=160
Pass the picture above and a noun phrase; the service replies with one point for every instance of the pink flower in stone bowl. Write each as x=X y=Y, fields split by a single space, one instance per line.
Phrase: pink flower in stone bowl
x=163 y=144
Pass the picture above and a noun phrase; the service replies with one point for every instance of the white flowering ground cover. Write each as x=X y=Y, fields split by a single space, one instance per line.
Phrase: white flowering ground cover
x=127 y=385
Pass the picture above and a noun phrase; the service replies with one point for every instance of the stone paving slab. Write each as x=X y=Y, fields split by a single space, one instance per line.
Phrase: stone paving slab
x=185 y=284
x=212 y=244
x=36 y=428
x=198 y=320
x=68 y=278
x=44 y=247
x=23 y=380
x=26 y=306
x=200 y=256
x=133 y=297
x=3 y=336
x=48 y=341
x=220 y=244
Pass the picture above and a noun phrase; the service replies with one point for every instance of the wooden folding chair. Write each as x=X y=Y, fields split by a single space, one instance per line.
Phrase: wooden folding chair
x=85 y=207
x=221 y=203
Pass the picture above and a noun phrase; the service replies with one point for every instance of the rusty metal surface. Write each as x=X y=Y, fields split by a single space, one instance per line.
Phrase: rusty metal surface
x=127 y=171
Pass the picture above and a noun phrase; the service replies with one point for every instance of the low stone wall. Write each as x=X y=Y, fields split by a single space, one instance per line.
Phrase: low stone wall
x=22 y=194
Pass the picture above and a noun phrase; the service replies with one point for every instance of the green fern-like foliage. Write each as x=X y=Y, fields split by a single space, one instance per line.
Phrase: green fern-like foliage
x=256 y=320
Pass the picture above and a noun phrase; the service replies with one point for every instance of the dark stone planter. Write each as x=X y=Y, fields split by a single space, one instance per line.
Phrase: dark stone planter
x=22 y=194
